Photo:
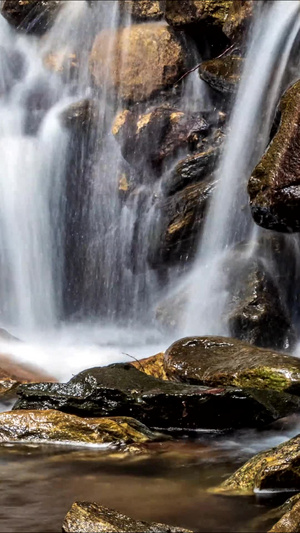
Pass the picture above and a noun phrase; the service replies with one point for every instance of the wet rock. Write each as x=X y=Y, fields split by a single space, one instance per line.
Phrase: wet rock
x=180 y=13
x=152 y=366
x=222 y=74
x=257 y=311
x=290 y=517
x=31 y=16
x=274 y=187
x=221 y=361
x=240 y=15
x=55 y=426
x=156 y=135
x=176 y=229
x=80 y=115
x=171 y=309
x=5 y=336
x=93 y=518
x=13 y=373
x=122 y=390
x=144 y=59
x=12 y=69
x=142 y=10
x=274 y=469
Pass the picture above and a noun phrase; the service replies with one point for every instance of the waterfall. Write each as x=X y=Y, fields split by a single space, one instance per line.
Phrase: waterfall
x=229 y=221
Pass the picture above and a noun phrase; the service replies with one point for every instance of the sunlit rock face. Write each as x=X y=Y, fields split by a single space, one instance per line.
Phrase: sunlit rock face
x=274 y=187
x=240 y=16
x=142 y=10
x=144 y=59
x=31 y=16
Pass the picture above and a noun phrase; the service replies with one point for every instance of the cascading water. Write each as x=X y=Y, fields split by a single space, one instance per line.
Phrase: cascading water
x=228 y=221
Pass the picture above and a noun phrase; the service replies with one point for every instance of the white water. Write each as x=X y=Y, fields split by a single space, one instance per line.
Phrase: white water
x=229 y=221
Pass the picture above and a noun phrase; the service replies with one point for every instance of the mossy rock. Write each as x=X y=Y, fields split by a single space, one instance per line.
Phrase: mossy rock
x=142 y=10
x=274 y=187
x=152 y=366
x=290 y=517
x=274 y=469
x=222 y=74
x=222 y=361
x=123 y=390
x=180 y=13
x=53 y=426
x=31 y=16
x=240 y=16
x=93 y=518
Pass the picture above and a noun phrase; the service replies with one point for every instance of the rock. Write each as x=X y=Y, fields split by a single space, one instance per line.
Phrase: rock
x=222 y=74
x=170 y=310
x=93 y=518
x=176 y=228
x=63 y=62
x=180 y=13
x=13 y=373
x=152 y=366
x=257 y=312
x=275 y=183
x=221 y=361
x=143 y=10
x=55 y=426
x=290 y=517
x=5 y=336
x=154 y=60
x=123 y=390
x=80 y=115
x=156 y=135
x=31 y=16
x=274 y=469
x=240 y=15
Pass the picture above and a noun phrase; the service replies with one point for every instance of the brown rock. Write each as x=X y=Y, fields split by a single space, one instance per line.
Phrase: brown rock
x=290 y=519
x=93 y=518
x=31 y=16
x=180 y=13
x=55 y=426
x=239 y=18
x=274 y=187
x=143 y=59
x=142 y=10
x=153 y=366
x=13 y=373
x=222 y=74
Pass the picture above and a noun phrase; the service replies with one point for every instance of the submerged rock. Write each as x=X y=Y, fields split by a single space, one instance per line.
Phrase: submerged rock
x=221 y=361
x=290 y=517
x=274 y=187
x=31 y=16
x=144 y=59
x=152 y=366
x=180 y=13
x=274 y=469
x=93 y=518
x=222 y=74
x=55 y=426
x=122 y=390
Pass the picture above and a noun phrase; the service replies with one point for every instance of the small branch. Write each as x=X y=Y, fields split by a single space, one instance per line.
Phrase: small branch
x=135 y=359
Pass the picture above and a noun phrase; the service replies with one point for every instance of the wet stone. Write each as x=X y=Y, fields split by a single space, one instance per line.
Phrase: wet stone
x=31 y=16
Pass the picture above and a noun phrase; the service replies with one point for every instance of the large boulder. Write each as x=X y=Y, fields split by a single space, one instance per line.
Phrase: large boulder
x=157 y=134
x=274 y=469
x=240 y=15
x=123 y=390
x=289 y=521
x=222 y=74
x=137 y=61
x=31 y=16
x=180 y=13
x=93 y=518
x=274 y=187
x=152 y=366
x=221 y=361
x=55 y=426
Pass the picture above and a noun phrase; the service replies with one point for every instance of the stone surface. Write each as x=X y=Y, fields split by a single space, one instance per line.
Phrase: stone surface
x=122 y=390
x=142 y=10
x=274 y=187
x=81 y=115
x=152 y=366
x=93 y=518
x=170 y=310
x=176 y=228
x=274 y=469
x=55 y=426
x=31 y=16
x=145 y=59
x=180 y=13
x=240 y=15
x=290 y=519
x=221 y=361
x=13 y=373
x=157 y=134
x=222 y=74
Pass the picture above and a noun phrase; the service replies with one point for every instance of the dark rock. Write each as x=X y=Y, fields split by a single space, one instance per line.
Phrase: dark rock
x=180 y=13
x=221 y=361
x=12 y=69
x=274 y=469
x=176 y=228
x=170 y=310
x=55 y=426
x=122 y=390
x=31 y=16
x=274 y=187
x=157 y=134
x=222 y=74
x=93 y=518
x=290 y=517
x=240 y=16
x=80 y=115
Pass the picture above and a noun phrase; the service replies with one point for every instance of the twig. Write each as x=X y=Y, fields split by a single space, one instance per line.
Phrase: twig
x=135 y=359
